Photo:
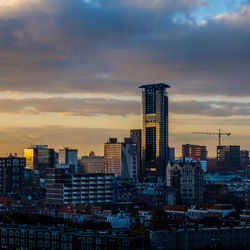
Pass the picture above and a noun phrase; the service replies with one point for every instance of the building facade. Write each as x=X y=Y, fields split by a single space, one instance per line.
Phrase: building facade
x=154 y=151
x=187 y=179
x=196 y=152
x=69 y=157
x=65 y=188
x=228 y=158
x=135 y=135
x=39 y=157
x=120 y=158
x=113 y=157
x=92 y=163
x=11 y=173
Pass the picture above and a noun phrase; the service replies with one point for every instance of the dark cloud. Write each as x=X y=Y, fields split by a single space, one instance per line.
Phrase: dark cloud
x=112 y=46
x=212 y=109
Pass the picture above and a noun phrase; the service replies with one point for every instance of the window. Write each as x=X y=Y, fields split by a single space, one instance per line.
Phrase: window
x=17 y=233
x=55 y=236
x=47 y=235
x=4 y=232
x=64 y=246
x=11 y=241
x=64 y=237
x=40 y=235
x=32 y=234
x=55 y=244
x=40 y=243
x=24 y=234
x=4 y=241
x=46 y=244
x=17 y=241
x=11 y=233
x=23 y=242
x=31 y=243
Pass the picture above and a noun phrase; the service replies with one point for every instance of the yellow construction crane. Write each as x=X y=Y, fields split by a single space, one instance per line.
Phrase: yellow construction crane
x=220 y=133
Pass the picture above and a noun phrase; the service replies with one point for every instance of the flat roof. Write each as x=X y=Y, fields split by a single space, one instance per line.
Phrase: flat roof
x=159 y=84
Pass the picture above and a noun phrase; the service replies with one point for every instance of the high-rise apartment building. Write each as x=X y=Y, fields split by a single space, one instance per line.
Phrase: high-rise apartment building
x=92 y=163
x=68 y=157
x=121 y=158
x=11 y=173
x=228 y=158
x=113 y=157
x=196 y=152
x=154 y=154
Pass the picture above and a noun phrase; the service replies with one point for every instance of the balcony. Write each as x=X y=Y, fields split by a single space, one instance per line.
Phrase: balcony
x=101 y=182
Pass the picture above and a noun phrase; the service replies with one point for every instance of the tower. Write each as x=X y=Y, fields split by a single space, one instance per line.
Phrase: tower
x=154 y=154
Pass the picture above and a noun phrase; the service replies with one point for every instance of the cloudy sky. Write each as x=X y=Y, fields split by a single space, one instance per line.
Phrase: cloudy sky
x=70 y=70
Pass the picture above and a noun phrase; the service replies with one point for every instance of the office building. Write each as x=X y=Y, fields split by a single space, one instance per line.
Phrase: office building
x=228 y=158
x=92 y=163
x=39 y=157
x=11 y=173
x=68 y=157
x=66 y=188
x=120 y=158
x=196 y=152
x=154 y=154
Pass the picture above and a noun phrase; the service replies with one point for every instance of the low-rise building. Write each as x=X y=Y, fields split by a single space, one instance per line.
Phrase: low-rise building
x=204 y=238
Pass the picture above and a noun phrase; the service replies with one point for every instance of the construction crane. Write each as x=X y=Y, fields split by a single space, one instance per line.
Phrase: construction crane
x=220 y=133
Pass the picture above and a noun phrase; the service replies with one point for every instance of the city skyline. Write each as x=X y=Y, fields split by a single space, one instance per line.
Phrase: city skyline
x=78 y=85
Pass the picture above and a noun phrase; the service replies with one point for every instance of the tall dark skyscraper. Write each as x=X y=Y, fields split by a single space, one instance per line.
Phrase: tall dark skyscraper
x=154 y=131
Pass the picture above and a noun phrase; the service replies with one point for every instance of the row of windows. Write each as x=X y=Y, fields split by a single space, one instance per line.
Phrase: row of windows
x=31 y=234
x=32 y=243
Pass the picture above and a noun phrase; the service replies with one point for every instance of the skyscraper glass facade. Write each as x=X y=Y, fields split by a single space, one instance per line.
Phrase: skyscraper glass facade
x=154 y=154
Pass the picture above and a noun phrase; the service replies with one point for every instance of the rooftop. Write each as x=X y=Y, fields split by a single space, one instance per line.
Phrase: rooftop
x=157 y=85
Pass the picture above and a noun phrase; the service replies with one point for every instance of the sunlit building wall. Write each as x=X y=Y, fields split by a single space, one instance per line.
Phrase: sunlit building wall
x=112 y=157
x=93 y=163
